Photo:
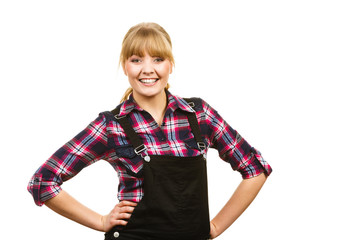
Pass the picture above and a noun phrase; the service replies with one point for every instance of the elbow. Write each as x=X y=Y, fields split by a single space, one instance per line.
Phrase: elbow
x=262 y=177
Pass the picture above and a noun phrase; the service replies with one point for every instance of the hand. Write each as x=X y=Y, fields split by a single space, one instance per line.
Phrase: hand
x=118 y=215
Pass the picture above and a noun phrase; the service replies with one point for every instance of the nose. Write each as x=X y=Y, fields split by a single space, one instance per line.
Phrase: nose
x=147 y=68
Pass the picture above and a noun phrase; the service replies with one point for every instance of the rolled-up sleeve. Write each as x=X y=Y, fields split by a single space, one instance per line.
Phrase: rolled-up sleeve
x=232 y=147
x=84 y=149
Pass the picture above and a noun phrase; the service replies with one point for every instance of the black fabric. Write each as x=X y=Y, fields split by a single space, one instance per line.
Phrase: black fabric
x=194 y=126
x=175 y=201
x=195 y=103
x=129 y=131
x=126 y=125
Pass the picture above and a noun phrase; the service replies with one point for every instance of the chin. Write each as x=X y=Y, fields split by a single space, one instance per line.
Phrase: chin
x=150 y=92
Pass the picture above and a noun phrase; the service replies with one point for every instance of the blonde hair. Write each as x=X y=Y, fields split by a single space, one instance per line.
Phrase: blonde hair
x=142 y=38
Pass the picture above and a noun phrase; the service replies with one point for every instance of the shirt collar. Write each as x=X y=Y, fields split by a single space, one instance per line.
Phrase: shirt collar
x=174 y=102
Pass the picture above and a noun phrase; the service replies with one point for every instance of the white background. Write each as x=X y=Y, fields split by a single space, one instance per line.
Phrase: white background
x=283 y=73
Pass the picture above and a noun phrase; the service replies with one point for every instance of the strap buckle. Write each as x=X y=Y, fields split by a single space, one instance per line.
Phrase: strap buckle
x=201 y=146
x=191 y=104
x=118 y=117
x=140 y=149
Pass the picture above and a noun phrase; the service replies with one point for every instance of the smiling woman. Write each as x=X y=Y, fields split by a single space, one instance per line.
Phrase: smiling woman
x=151 y=40
x=157 y=143
x=148 y=75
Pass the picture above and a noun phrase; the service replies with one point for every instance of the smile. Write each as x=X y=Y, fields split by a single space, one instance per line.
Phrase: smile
x=148 y=80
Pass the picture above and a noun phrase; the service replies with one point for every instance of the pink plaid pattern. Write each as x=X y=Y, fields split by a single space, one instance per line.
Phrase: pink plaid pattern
x=105 y=139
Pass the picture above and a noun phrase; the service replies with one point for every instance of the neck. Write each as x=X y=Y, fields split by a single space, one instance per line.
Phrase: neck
x=155 y=105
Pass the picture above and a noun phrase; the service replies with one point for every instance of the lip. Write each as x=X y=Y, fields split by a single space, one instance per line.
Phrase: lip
x=148 y=81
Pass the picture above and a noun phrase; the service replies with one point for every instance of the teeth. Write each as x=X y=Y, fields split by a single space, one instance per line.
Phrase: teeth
x=148 y=80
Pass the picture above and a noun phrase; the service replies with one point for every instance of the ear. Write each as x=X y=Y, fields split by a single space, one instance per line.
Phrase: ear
x=124 y=68
x=171 y=68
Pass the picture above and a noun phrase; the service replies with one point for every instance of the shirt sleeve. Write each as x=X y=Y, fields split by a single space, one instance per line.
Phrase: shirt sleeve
x=232 y=147
x=84 y=149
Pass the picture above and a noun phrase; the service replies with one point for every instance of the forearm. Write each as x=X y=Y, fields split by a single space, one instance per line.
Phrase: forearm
x=237 y=204
x=67 y=206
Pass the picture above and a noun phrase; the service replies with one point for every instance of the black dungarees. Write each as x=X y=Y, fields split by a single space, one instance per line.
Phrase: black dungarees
x=175 y=201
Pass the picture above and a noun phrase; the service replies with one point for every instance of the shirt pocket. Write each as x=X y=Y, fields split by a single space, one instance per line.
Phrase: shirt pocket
x=190 y=143
x=190 y=146
x=132 y=162
x=188 y=138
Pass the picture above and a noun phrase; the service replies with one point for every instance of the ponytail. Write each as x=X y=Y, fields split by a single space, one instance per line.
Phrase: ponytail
x=126 y=94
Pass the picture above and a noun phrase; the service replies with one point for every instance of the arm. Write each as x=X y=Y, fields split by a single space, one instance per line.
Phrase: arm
x=237 y=204
x=87 y=147
x=67 y=206
x=234 y=149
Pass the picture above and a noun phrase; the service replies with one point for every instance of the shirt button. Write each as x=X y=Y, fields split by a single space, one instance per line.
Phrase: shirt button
x=116 y=234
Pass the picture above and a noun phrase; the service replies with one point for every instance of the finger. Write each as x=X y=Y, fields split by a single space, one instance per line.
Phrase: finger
x=126 y=203
x=122 y=216
x=125 y=209
x=119 y=222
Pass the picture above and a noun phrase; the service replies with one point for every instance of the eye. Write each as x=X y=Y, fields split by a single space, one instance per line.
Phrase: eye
x=158 y=59
x=135 y=60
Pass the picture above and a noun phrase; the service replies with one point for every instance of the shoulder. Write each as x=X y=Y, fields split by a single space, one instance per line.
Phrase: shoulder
x=205 y=113
x=109 y=115
x=196 y=103
x=107 y=119
x=200 y=105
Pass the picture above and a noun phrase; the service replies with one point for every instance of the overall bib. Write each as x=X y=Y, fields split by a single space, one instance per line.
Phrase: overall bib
x=175 y=201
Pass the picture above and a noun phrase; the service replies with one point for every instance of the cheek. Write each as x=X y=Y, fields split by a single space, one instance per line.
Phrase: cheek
x=131 y=71
x=166 y=69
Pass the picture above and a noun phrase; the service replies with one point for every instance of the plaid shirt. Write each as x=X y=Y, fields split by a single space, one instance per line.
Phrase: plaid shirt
x=105 y=139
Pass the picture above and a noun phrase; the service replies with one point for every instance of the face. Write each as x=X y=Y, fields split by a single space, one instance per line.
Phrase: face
x=148 y=75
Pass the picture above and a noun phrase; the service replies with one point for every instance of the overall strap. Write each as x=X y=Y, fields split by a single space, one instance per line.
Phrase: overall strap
x=194 y=124
x=135 y=140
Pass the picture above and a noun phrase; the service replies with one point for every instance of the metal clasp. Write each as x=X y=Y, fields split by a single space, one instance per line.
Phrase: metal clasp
x=201 y=146
x=140 y=149
x=119 y=117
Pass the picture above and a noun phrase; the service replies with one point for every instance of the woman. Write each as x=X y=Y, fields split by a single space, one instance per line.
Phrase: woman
x=157 y=143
